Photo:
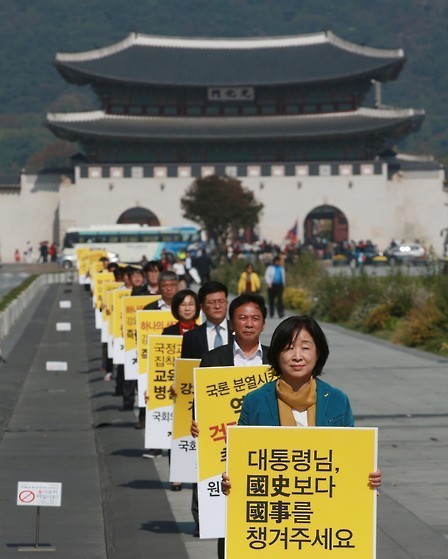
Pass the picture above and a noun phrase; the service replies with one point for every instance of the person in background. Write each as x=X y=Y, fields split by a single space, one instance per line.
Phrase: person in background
x=247 y=316
x=53 y=252
x=107 y=362
x=275 y=280
x=181 y=272
x=152 y=271
x=249 y=281
x=203 y=264
x=133 y=278
x=105 y=262
x=43 y=249
x=136 y=277
x=168 y=286
x=214 y=332
x=185 y=309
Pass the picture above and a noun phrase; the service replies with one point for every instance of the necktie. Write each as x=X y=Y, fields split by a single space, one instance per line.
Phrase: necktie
x=218 y=337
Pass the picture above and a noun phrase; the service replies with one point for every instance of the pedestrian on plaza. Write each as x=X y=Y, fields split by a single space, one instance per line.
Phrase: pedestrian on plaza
x=249 y=281
x=275 y=278
x=28 y=253
x=53 y=252
x=43 y=250
x=298 y=398
x=180 y=270
x=203 y=264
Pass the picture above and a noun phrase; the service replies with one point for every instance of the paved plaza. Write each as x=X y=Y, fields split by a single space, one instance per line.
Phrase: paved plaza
x=67 y=427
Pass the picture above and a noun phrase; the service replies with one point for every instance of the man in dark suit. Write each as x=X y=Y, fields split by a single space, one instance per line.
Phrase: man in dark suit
x=247 y=319
x=247 y=315
x=216 y=330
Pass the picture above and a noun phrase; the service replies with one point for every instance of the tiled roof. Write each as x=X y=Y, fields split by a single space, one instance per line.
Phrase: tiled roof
x=97 y=124
x=149 y=60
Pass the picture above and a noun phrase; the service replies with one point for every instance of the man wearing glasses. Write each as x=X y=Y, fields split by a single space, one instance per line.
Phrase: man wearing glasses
x=168 y=287
x=215 y=331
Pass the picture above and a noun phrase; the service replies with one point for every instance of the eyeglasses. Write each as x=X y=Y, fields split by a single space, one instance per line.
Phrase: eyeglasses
x=216 y=303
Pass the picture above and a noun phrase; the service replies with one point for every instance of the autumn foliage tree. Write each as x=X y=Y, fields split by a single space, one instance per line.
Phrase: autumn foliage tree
x=220 y=205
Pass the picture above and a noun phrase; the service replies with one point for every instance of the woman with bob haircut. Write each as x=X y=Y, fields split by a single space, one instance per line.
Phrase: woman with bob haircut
x=185 y=309
x=297 y=354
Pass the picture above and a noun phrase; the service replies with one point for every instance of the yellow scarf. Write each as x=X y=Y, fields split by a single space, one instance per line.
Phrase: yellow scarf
x=299 y=400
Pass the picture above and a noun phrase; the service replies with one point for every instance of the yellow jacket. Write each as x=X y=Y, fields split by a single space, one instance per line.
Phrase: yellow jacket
x=254 y=283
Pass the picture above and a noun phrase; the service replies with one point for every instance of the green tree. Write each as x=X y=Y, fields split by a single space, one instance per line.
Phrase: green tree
x=220 y=205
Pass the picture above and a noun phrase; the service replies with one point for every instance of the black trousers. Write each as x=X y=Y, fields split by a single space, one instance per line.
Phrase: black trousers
x=275 y=296
x=195 y=505
x=221 y=548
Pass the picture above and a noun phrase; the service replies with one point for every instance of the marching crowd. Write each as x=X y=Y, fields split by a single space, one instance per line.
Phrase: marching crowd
x=230 y=335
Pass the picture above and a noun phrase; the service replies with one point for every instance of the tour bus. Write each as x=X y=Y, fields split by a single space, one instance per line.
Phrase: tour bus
x=130 y=243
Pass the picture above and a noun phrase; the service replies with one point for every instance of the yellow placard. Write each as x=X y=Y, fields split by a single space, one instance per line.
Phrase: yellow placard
x=117 y=310
x=301 y=492
x=98 y=281
x=81 y=254
x=162 y=352
x=183 y=402
x=149 y=322
x=86 y=258
x=106 y=290
x=130 y=306
x=96 y=267
x=219 y=394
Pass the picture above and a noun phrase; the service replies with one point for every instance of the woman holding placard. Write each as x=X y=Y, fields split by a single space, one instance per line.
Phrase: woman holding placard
x=297 y=354
x=185 y=308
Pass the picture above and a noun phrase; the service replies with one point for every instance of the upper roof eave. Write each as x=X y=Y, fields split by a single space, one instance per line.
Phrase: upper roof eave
x=364 y=120
x=276 y=60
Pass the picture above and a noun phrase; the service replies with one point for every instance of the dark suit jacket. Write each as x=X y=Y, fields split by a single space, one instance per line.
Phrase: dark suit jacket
x=223 y=356
x=154 y=306
x=172 y=330
x=194 y=343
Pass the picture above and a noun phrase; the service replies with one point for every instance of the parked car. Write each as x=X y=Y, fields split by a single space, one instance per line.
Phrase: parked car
x=409 y=253
x=373 y=257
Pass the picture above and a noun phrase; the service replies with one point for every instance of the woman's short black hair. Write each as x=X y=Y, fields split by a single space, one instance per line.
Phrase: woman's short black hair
x=285 y=334
x=179 y=298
